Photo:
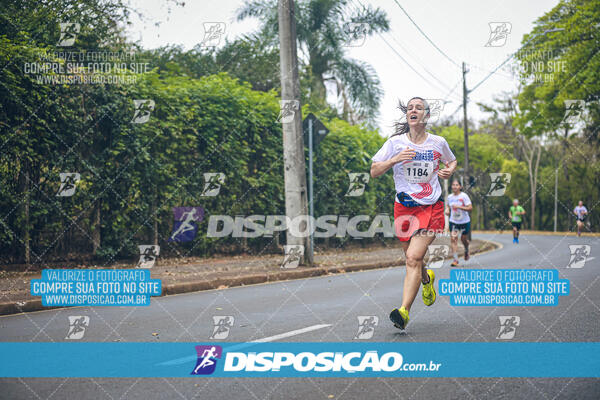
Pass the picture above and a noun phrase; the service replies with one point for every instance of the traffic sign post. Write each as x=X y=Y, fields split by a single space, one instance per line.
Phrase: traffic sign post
x=311 y=124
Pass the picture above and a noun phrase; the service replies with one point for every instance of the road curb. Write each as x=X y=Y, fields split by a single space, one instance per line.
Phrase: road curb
x=20 y=307
x=541 y=233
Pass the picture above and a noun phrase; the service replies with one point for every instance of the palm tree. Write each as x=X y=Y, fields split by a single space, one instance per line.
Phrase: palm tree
x=325 y=28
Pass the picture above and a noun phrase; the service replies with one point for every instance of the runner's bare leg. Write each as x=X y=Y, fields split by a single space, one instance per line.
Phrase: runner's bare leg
x=414 y=250
x=454 y=241
x=465 y=241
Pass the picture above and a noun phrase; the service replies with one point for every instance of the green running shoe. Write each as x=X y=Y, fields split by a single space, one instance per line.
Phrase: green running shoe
x=399 y=316
x=429 y=290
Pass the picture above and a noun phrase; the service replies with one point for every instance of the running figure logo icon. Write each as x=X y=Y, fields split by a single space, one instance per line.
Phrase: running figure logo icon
x=366 y=326
x=207 y=359
x=293 y=255
x=573 y=111
x=358 y=183
x=499 y=183
x=212 y=183
x=498 y=33
x=223 y=323
x=67 y=184
x=185 y=226
x=143 y=109
x=68 y=33
x=436 y=106
x=579 y=255
x=437 y=255
x=212 y=34
x=288 y=110
x=148 y=254
x=77 y=325
x=356 y=33
x=508 y=327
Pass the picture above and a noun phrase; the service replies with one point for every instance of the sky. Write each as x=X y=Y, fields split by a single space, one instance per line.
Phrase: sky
x=459 y=28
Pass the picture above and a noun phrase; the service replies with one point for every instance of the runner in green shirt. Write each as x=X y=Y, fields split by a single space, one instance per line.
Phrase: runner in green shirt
x=514 y=214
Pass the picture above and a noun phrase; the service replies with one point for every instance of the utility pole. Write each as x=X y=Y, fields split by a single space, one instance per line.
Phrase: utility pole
x=311 y=204
x=555 y=197
x=310 y=126
x=465 y=127
x=294 y=170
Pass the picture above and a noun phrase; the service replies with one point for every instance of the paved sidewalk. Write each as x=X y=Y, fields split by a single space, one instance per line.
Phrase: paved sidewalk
x=194 y=274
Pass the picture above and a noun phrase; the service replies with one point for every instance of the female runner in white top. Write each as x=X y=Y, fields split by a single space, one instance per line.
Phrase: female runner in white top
x=415 y=157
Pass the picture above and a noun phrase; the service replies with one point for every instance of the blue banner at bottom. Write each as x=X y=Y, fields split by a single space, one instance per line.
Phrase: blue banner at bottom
x=299 y=359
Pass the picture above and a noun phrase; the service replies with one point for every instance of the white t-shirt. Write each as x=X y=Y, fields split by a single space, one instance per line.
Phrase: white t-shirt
x=579 y=211
x=459 y=216
x=417 y=177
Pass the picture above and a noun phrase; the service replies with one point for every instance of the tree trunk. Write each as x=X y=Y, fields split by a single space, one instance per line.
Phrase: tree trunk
x=565 y=144
x=347 y=113
x=534 y=187
x=485 y=217
x=276 y=241
x=532 y=153
x=96 y=237
x=480 y=218
x=26 y=205
x=154 y=220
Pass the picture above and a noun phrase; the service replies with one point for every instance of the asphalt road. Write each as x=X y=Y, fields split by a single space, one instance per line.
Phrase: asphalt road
x=326 y=309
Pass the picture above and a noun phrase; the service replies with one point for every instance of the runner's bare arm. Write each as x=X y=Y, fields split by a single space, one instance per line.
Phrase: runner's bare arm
x=381 y=167
x=448 y=171
x=466 y=208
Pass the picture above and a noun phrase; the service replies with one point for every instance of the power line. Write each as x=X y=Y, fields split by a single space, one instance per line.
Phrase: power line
x=420 y=64
x=490 y=74
x=488 y=71
x=408 y=64
x=452 y=90
x=455 y=111
x=425 y=35
x=404 y=60
x=513 y=54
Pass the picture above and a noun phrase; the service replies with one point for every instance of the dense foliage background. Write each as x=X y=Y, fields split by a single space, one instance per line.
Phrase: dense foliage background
x=216 y=110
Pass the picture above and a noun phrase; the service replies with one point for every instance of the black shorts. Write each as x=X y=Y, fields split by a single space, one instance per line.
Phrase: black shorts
x=582 y=219
x=464 y=229
x=516 y=225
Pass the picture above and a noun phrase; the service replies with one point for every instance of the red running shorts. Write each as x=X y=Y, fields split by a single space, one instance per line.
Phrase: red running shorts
x=410 y=220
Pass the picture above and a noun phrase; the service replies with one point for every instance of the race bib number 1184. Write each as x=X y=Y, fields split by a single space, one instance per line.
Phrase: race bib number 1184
x=417 y=171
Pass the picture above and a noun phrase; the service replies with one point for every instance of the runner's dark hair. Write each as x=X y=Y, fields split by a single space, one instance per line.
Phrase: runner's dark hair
x=400 y=127
x=457 y=181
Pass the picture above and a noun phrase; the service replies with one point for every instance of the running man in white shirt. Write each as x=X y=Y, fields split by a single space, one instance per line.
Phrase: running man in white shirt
x=580 y=212
x=458 y=208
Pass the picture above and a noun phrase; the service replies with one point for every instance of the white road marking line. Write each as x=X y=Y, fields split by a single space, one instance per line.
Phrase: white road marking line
x=291 y=333
x=186 y=359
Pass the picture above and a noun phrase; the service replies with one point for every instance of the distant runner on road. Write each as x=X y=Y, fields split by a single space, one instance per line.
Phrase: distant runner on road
x=580 y=212
x=514 y=214
x=458 y=208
